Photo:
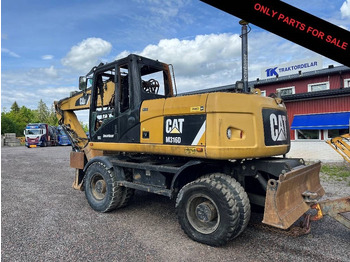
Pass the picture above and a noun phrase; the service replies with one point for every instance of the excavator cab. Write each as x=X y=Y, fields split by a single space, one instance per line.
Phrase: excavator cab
x=117 y=92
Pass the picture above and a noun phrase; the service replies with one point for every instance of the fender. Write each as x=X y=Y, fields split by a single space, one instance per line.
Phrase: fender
x=108 y=162
x=105 y=160
x=183 y=175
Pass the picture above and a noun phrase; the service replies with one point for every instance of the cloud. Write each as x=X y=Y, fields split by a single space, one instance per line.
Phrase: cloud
x=47 y=57
x=214 y=60
x=205 y=61
x=345 y=9
x=27 y=87
x=55 y=93
x=33 y=78
x=202 y=55
x=50 y=72
x=57 y=90
x=163 y=10
x=86 y=54
x=10 y=53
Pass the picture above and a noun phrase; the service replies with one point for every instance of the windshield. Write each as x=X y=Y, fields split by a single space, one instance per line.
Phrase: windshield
x=33 y=131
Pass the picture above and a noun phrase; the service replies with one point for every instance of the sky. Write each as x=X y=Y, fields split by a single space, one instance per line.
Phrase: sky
x=47 y=44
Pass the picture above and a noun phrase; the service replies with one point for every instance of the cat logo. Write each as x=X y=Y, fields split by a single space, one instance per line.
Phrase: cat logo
x=278 y=127
x=82 y=101
x=174 y=126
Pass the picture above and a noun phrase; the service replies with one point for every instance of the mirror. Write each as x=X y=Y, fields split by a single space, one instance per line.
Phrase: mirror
x=82 y=83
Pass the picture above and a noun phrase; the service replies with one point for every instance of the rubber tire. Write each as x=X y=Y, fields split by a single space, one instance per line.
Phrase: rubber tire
x=127 y=193
x=241 y=198
x=226 y=208
x=113 y=195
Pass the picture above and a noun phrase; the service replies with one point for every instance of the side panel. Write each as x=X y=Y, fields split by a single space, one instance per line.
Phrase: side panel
x=241 y=125
x=185 y=105
x=185 y=121
x=214 y=126
x=185 y=130
x=236 y=126
x=151 y=118
x=174 y=121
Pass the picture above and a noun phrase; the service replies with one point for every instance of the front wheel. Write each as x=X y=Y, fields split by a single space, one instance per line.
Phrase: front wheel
x=207 y=211
x=101 y=188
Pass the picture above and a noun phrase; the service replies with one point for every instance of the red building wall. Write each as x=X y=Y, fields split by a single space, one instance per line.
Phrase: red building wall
x=301 y=85
x=311 y=106
x=316 y=106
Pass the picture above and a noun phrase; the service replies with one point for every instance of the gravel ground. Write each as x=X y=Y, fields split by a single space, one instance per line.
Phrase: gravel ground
x=44 y=219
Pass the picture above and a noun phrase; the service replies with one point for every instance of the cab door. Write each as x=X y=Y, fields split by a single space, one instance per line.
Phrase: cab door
x=111 y=117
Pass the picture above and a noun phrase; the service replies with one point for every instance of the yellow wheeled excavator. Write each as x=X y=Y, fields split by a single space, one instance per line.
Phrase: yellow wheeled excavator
x=211 y=151
x=215 y=153
x=341 y=144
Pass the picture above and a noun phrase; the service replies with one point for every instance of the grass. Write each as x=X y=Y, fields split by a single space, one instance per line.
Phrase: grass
x=337 y=172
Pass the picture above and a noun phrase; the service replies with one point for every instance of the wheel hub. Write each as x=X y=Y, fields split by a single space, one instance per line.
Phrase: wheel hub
x=206 y=212
x=100 y=187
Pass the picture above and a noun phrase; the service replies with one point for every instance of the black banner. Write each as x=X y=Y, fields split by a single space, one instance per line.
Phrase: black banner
x=293 y=24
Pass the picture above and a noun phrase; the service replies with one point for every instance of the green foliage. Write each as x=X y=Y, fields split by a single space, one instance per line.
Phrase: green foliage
x=85 y=126
x=15 y=107
x=16 y=120
x=7 y=124
x=46 y=115
x=336 y=172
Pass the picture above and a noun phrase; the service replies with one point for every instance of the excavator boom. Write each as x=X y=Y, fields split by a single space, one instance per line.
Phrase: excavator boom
x=68 y=120
x=341 y=145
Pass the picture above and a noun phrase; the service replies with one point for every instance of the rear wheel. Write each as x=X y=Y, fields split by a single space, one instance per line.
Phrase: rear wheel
x=241 y=198
x=207 y=211
x=101 y=188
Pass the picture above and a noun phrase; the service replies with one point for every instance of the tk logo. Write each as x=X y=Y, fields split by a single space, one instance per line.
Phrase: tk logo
x=271 y=72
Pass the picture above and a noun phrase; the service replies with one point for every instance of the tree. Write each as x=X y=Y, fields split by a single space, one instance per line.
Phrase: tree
x=43 y=112
x=15 y=107
x=16 y=120
x=7 y=124
x=85 y=126
x=52 y=119
x=23 y=117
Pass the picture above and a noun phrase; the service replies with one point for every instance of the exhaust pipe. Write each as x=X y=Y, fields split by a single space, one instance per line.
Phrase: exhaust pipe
x=244 y=37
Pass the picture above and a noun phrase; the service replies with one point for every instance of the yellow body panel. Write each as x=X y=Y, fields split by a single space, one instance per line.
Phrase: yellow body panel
x=193 y=151
x=151 y=119
x=241 y=113
x=184 y=105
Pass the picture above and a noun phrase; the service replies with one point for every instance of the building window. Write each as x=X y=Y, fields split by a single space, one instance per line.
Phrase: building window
x=286 y=90
x=331 y=133
x=347 y=82
x=301 y=134
x=317 y=87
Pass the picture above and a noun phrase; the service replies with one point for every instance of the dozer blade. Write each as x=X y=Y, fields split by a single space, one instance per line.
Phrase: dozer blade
x=288 y=198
